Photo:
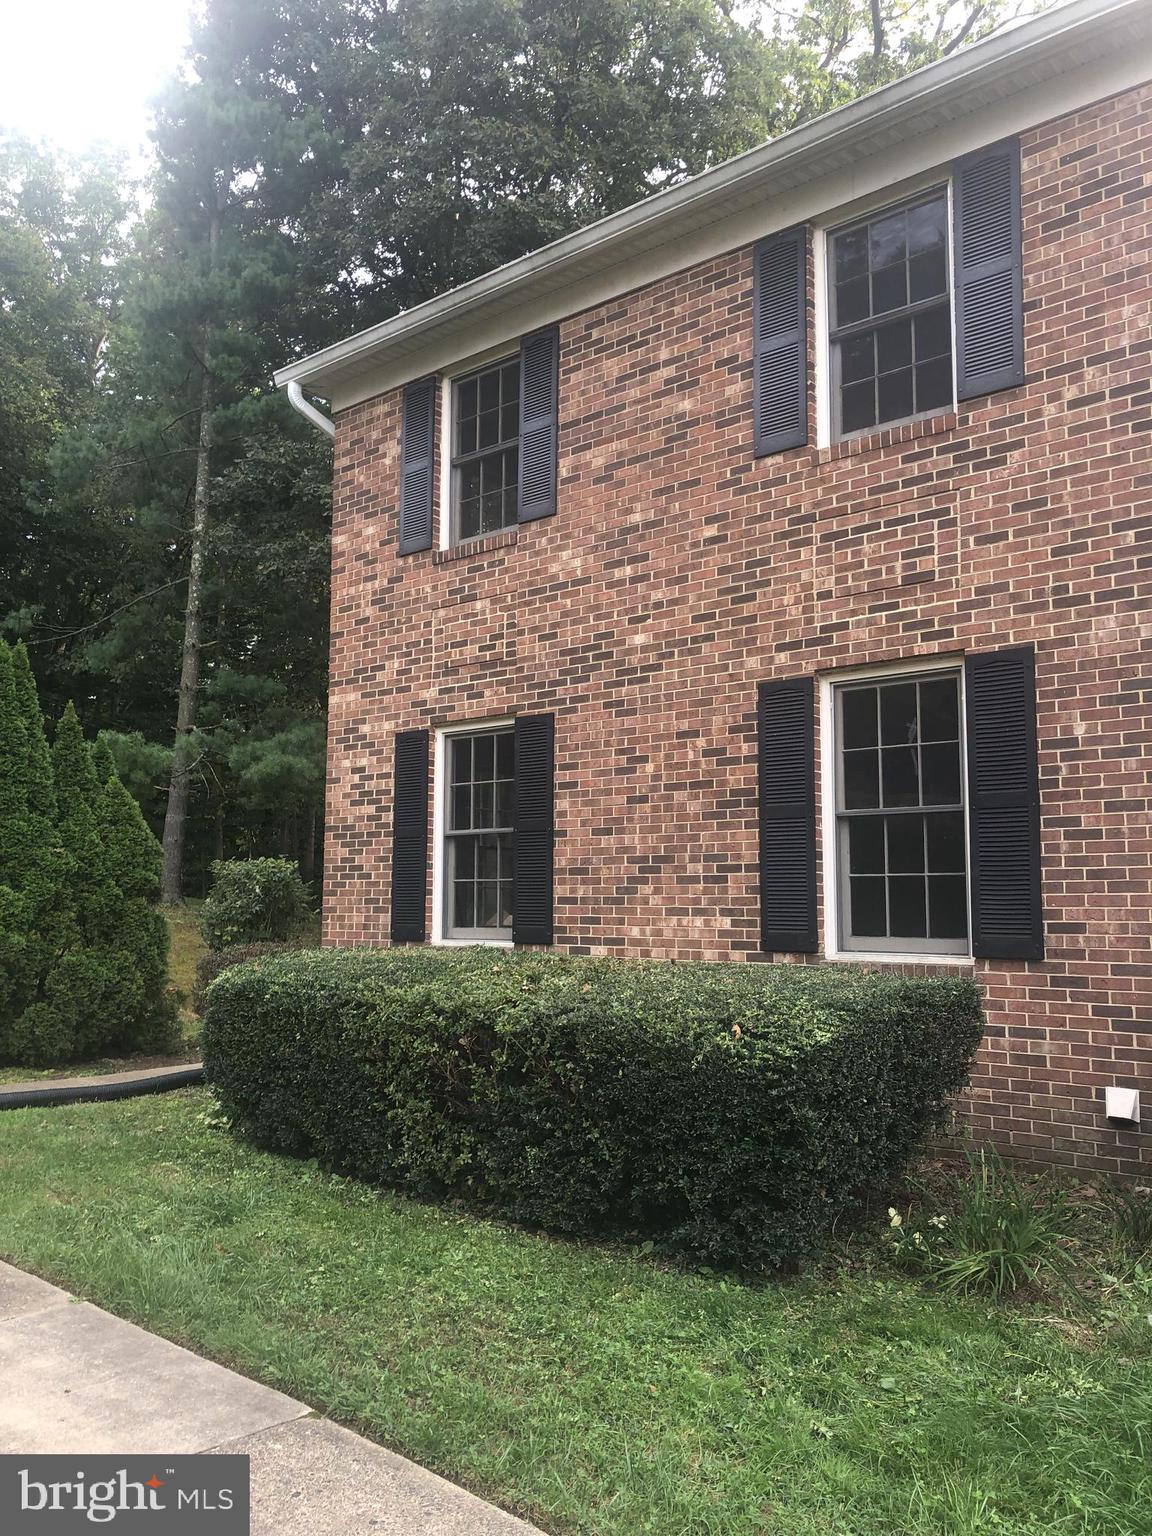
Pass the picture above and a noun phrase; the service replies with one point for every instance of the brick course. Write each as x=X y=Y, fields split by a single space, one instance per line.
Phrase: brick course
x=680 y=572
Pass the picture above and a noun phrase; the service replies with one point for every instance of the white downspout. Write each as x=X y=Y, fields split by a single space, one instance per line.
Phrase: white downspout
x=308 y=410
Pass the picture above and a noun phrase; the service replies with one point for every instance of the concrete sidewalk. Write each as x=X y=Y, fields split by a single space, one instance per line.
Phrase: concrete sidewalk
x=74 y=1379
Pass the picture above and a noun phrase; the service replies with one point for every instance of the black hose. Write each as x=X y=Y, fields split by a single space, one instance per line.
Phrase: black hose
x=64 y=1092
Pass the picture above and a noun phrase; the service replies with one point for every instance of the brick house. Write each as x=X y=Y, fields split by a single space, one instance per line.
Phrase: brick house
x=762 y=573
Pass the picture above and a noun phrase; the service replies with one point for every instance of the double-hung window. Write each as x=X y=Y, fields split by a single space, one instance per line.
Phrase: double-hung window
x=891 y=315
x=485 y=450
x=901 y=843
x=478 y=835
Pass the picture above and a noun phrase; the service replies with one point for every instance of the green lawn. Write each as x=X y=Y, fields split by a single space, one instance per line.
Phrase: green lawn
x=589 y=1390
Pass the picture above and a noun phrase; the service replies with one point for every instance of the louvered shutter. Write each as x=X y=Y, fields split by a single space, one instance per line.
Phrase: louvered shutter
x=1004 y=804
x=419 y=441
x=988 y=280
x=539 y=390
x=787 y=816
x=780 y=347
x=409 y=837
x=533 y=829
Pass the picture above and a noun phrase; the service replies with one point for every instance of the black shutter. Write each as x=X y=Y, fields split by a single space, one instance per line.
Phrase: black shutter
x=533 y=829
x=410 y=837
x=1004 y=804
x=416 y=475
x=988 y=281
x=539 y=390
x=780 y=346
x=787 y=816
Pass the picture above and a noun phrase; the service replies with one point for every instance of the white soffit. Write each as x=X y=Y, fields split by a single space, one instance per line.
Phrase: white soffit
x=1029 y=74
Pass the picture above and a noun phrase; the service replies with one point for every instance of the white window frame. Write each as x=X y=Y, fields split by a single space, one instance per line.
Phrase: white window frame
x=833 y=894
x=441 y=788
x=831 y=224
x=448 y=381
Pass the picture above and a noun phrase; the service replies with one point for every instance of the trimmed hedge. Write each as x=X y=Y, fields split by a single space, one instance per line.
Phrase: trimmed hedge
x=728 y=1113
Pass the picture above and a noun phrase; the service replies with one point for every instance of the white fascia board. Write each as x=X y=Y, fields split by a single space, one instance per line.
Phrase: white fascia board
x=1042 y=69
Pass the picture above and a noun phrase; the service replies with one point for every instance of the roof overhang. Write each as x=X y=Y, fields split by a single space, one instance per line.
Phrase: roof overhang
x=981 y=87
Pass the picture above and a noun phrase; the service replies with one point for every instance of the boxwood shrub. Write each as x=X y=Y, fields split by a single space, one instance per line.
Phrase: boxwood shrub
x=727 y=1113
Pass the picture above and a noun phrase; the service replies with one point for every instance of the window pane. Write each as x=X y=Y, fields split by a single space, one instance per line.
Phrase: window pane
x=894 y=346
x=857 y=358
x=939 y=710
x=941 y=769
x=509 y=422
x=934 y=384
x=852 y=301
x=468 y=480
x=490 y=389
x=504 y=803
x=463 y=908
x=505 y=755
x=483 y=805
x=927 y=226
x=463 y=858
x=492 y=512
x=887 y=239
x=851 y=254
x=895 y=395
x=948 y=906
x=857 y=407
x=489 y=431
x=488 y=858
x=505 y=903
x=946 y=842
x=901 y=777
x=906 y=906
x=466 y=435
x=866 y=903
x=461 y=807
x=469 y=518
x=898 y=714
x=858 y=717
x=461 y=759
x=487 y=896
x=861 y=781
x=905 y=845
x=889 y=289
x=483 y=757
x=866 y=845
x=466 y=398
x=933 y=334
x=927 y=276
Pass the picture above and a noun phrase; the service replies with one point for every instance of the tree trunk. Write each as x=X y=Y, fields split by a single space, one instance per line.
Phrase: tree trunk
x=176 y=815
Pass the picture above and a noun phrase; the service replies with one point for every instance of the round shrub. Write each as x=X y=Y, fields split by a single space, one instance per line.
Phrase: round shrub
x=254 y=901
x=728 y=1113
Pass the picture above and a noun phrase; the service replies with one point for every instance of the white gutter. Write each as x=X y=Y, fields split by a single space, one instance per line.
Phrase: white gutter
x=308 y=410
x=1074 y=30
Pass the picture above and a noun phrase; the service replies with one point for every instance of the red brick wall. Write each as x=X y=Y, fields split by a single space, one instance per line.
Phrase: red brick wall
x=681 y=571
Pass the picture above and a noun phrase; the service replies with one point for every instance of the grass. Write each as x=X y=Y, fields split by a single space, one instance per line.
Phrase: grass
x=588 y=1389
x=185 y=949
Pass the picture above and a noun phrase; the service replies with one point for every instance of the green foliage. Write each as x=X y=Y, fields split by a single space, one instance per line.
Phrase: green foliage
x=214 y=962
x=1000 y=1234
x=254 y=901
x=83 y=950
x=1128 y=1208
x=728 y=1113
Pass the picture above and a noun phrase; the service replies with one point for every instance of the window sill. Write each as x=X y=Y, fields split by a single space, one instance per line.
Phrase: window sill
x=474 y=549
x=471 y=943
x=873 y=957
x=890 y=437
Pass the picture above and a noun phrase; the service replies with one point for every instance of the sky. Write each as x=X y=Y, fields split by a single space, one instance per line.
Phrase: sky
x=74 y=72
